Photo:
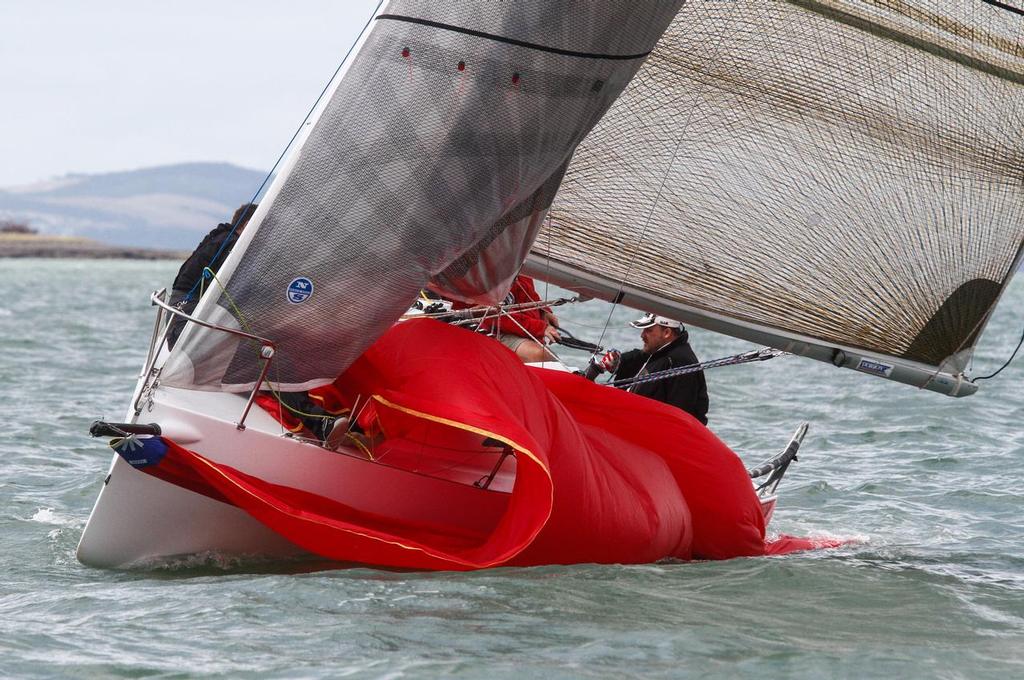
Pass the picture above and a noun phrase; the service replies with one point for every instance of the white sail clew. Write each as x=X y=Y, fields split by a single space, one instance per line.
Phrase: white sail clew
x=449 y=117
x=842 y=179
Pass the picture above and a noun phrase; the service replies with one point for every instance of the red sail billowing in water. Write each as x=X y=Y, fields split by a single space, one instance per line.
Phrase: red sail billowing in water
x=602 y=475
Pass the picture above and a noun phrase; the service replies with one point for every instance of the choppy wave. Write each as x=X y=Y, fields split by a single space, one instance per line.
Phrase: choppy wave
x=924 y=486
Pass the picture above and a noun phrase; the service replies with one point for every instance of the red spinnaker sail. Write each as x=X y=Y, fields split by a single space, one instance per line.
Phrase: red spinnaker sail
x=602 y=475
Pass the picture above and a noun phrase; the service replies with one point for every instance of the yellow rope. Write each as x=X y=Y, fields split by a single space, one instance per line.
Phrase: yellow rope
x=359 y=444
x=234 y=307
x=248 y=329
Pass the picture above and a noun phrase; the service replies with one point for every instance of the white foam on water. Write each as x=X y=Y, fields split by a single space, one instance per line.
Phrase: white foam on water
x=847 y=539
x=49 y=516
x=6 y=312
x=216 y=560
x=208 y=559
x=822 y=538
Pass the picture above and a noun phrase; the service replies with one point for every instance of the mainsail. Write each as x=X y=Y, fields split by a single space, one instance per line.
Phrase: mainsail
x=450 y=118
x=842 y=179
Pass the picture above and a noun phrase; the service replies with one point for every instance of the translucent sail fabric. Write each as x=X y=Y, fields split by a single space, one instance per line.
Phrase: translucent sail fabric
x=450 y=117
x=835 y=177
x=484 y=273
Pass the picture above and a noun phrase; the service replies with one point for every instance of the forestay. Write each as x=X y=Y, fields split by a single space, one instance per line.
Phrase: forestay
x=841 y=179
x=449 y=127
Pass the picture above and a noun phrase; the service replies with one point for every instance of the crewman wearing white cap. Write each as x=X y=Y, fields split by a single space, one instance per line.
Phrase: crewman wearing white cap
x=665 y=345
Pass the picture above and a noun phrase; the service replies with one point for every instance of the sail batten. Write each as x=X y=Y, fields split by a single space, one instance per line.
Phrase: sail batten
x=944 y=48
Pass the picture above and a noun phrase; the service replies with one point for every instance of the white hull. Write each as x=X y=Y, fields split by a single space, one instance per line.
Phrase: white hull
x=139 y=518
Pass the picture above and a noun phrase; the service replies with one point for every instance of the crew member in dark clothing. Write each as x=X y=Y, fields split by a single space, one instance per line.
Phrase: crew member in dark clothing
x=224 y=234
x=665 y=346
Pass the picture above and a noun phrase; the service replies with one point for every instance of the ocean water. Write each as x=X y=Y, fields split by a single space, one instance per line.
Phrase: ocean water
x=929 y=487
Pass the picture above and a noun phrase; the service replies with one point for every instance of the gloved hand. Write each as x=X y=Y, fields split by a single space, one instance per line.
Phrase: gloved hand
x=432 y=306
x=609 y=361
x=438 y=307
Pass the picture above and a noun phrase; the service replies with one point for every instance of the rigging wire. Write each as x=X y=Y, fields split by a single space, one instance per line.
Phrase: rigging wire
x=763 y=354
x=1020 y=254
x=657 y=200
x=270 y=384
x=529 y=335
x=484 y=312
x=234 y=227
x=1008 y=362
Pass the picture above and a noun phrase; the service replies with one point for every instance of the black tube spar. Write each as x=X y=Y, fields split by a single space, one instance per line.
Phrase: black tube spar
x=101 y=428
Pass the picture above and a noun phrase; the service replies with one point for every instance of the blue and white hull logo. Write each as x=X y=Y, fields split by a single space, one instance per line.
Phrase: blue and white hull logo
x=876 y=367
x=300 y=290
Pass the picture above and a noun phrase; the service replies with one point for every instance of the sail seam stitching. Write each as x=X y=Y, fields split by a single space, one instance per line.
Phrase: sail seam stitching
x=941 y=51
x=511 y=41
x=1003 y=5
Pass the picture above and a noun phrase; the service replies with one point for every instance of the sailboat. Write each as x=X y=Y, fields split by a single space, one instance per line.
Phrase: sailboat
x=839 y=179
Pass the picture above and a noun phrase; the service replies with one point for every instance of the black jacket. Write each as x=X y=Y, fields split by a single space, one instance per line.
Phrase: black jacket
x=688 y=392
x=192 y=270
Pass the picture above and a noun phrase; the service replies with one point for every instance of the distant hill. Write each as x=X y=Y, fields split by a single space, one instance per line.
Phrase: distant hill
x=35 y=245
x=167 y=207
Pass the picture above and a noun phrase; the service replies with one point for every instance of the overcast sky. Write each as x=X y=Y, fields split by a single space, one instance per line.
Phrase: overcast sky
x=121 y=84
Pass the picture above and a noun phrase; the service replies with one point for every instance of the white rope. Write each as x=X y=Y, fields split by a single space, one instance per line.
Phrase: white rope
x=472 y=314
x=530 y=336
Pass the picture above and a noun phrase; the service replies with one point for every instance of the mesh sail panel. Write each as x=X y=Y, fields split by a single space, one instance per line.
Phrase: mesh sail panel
x=451 y=117
x=484 y=273
x=850 y=172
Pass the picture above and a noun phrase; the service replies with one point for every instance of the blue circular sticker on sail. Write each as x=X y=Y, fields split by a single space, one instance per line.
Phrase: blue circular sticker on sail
x=300 y=290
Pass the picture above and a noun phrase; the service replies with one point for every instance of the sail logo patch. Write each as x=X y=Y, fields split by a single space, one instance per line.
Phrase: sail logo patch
x=300 y=290
x=876 y=367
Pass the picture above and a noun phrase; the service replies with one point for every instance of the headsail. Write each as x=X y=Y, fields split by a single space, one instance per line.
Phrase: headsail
x=843 y=179
x=449 y=117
